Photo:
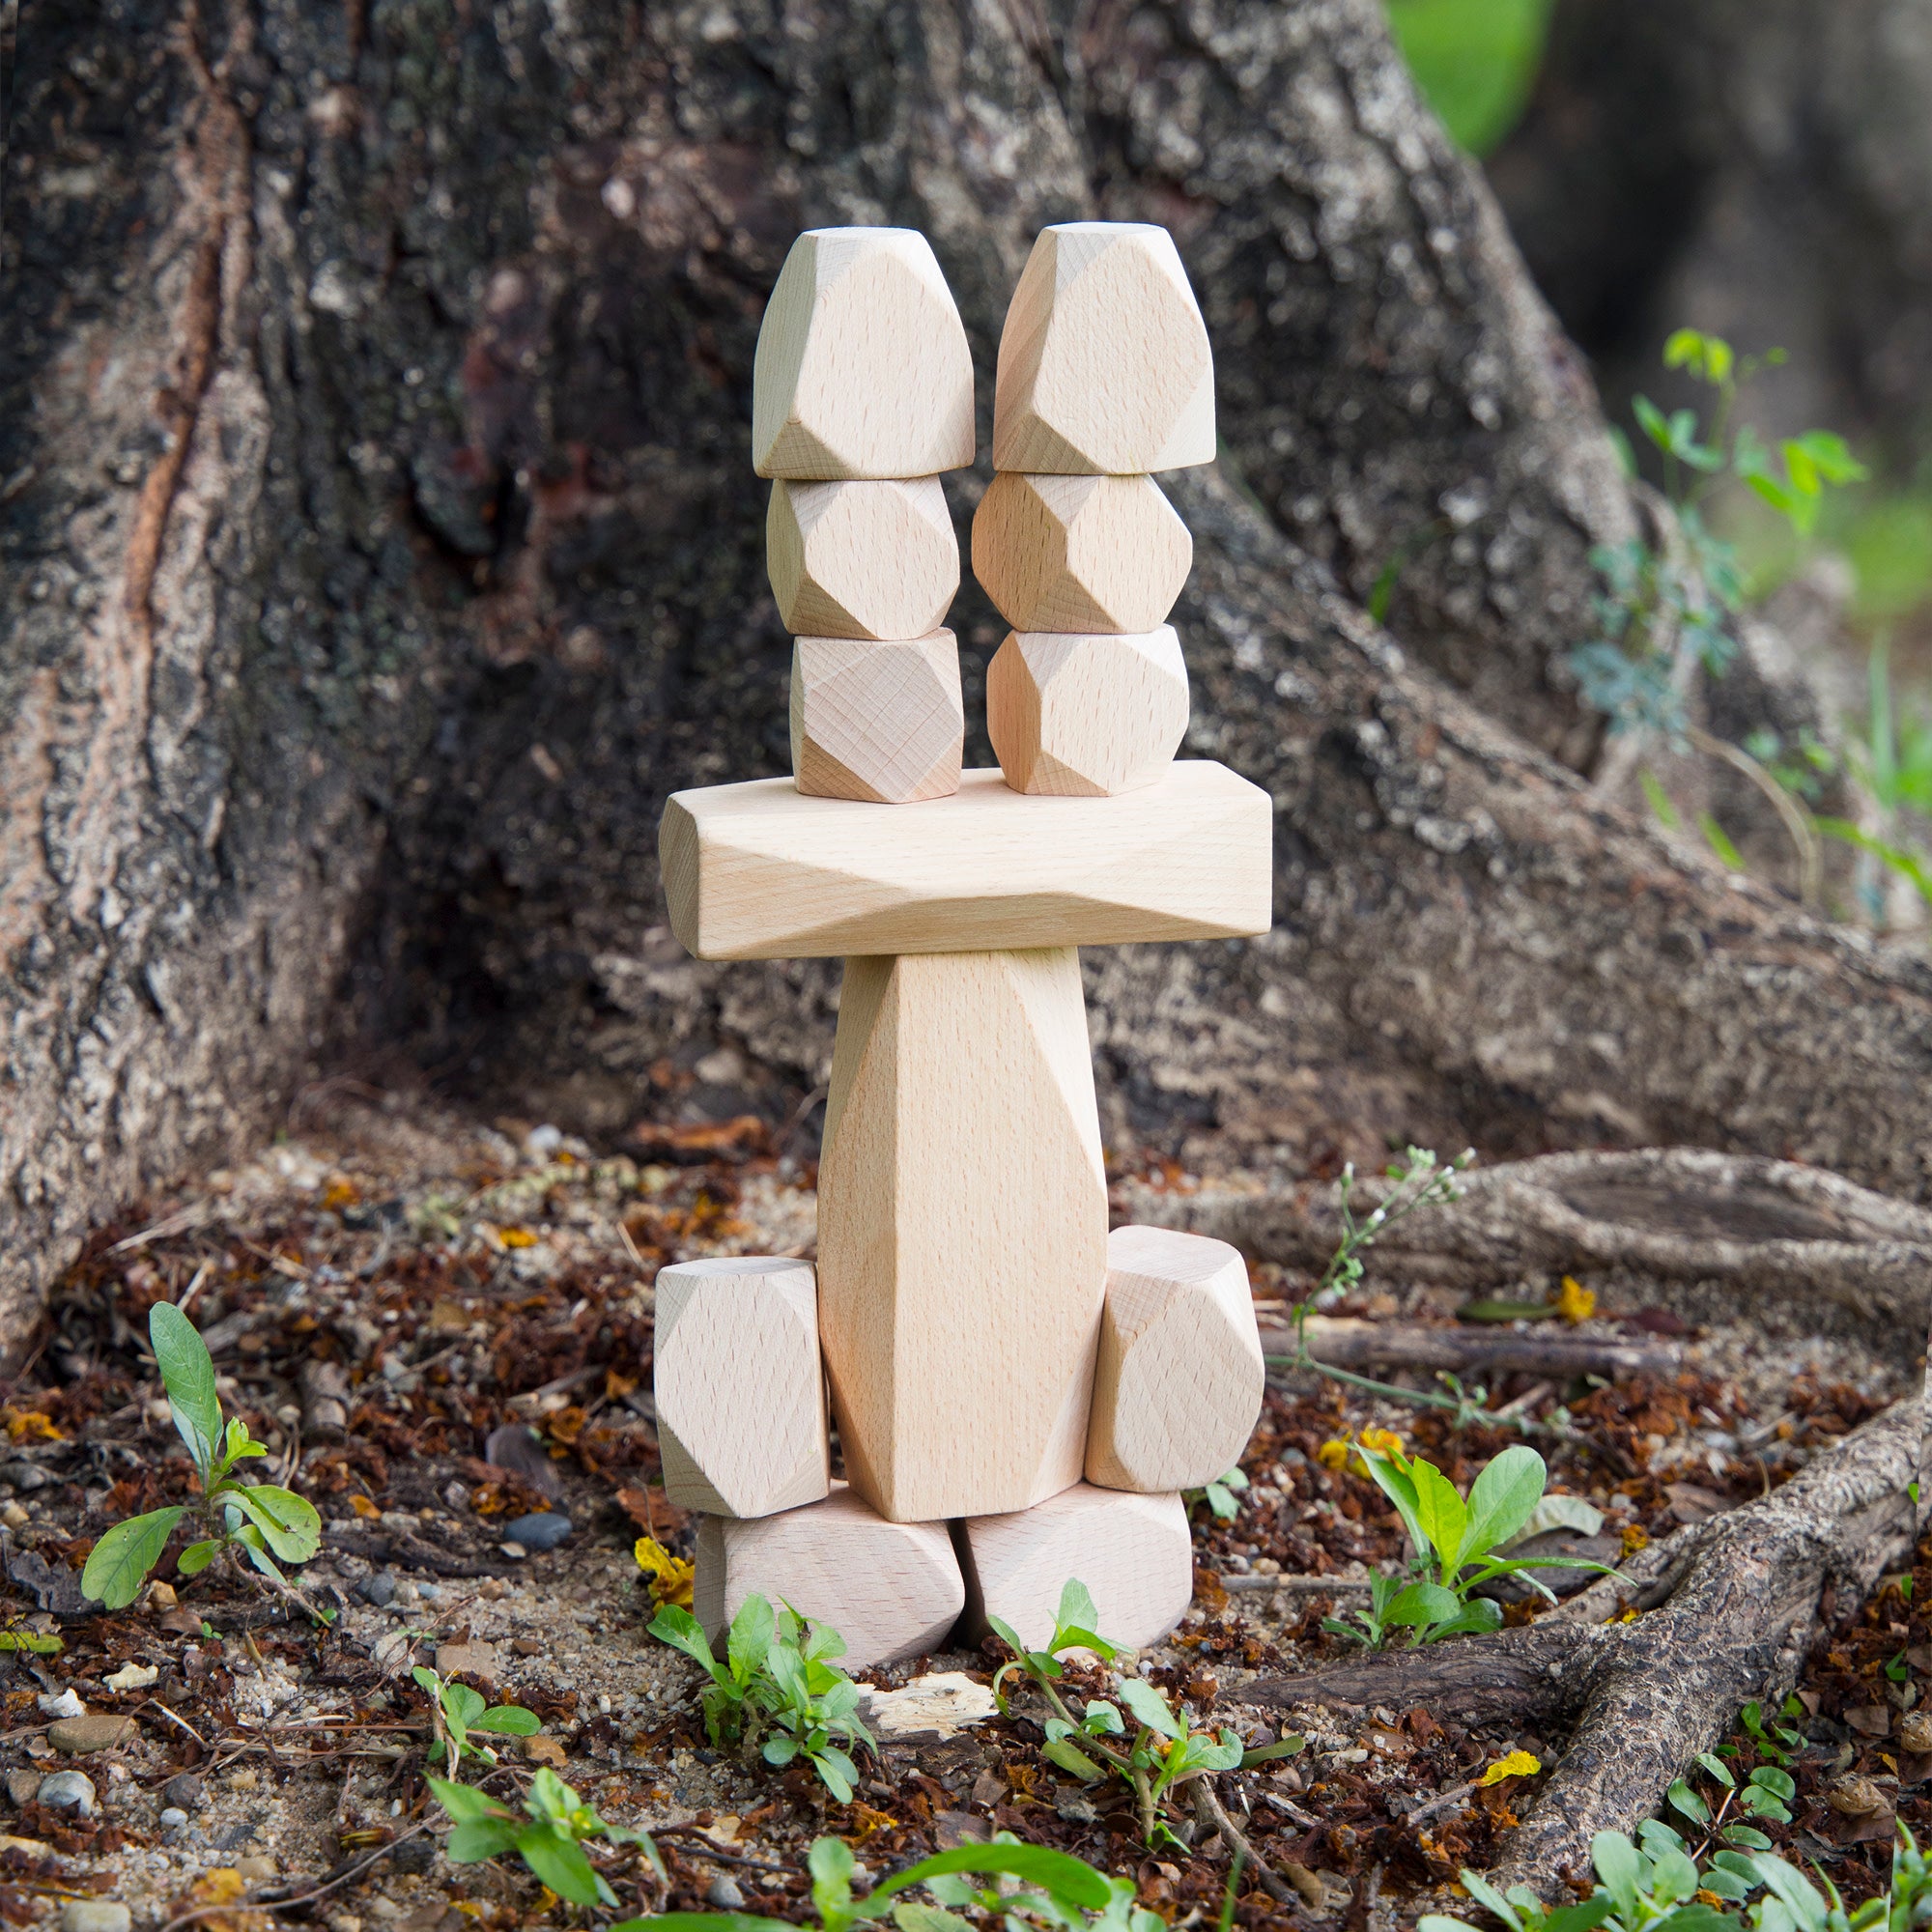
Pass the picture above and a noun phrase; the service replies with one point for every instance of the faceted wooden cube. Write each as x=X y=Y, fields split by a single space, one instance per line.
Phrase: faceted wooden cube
x=1179 y=1379
x=1085 y=717
x=1104 y=366
x=739 y=1385
x=883 y=721
x=1080 y=553
x=890 y=1589
x=1133 y=1553
x=871 y=560
x=861 y=367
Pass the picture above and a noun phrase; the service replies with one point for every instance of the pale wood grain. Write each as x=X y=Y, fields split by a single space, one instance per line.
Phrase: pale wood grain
x=759 y=871
x=862 y=560
x=1085 y=717
x=739 y=1385
x=1079 y=553
x=882 y=724
x=861 y=367
x=890 y=1589
x=962 y=1229
x=1133 y=1553
x=1104 y=366
x=1180 y=1379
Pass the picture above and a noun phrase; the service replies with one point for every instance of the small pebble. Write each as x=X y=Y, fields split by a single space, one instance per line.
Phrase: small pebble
x=542 y=1531
x=95 y=1914
x=78 y=1735
x=379 y=1589
x=62 y=1704
x=256 y=1867
x=514 y=1551
x=25 y=1475
x=184 y=1791
x=68 y=1790
x=23 y=1785
x=414 y=1855
x=725 y=1894
x=133 y=1677
x=173 y=1819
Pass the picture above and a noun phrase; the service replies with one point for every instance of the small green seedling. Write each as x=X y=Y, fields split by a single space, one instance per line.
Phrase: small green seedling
x=549 y=1835
x=254 y=1521
x=456 y=1711
x=1223 y=1496
x=1779 y=1741
x=1454 y=1546
x=1765 y=1793
x=777 y=1691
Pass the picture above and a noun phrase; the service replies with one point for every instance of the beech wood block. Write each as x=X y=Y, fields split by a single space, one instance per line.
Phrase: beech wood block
x=1104 y=366
x=1085 y=717
x=1133 y=1553
x=1079 y=553
x=862 y=560
x=962 y=1229
x=739 y=1384
x=882 y=722
x=1179 y=1379
x=861 y=367
x=761 y=871
x=890 y=1589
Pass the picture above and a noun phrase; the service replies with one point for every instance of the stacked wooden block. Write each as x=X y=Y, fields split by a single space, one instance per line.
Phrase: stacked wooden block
x=1019 y=1395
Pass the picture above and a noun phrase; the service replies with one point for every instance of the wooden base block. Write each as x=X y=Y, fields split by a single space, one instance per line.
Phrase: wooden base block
x=962 y=1229
x=1085 y=717
x=890 y=1589
x=739 y=1386
x=1180 y=1376
x=862 y=559
x=884 y=722
x=1133 y=1553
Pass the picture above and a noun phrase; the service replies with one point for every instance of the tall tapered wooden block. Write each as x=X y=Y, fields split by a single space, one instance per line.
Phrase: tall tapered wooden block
x=962 y=1229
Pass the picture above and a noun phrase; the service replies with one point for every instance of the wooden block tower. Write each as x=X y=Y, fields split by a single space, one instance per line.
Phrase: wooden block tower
x=1019 y=1396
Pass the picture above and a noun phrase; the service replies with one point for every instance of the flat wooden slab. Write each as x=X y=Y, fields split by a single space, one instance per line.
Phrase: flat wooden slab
x=761 y=871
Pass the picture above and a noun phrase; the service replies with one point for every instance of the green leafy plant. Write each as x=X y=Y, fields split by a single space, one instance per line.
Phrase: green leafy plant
x=549 y=1835
x=456 y=1712
x=255 y=1522
x=1777 y=1741
x=1223 y=1496
x=777 y=1691
x=1765 y=1793
x=1454 y=1546
x=1155 y=1755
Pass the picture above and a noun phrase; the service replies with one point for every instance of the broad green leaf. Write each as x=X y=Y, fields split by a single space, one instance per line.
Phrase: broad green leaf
x=1673 y=1878
x=1773 y=1779
x=1726 y=1884
x=1267 y=1753
x=1148 y=1706
x=197 y=1556
x=1553 y=1511
x=1652 y=422
x=1395 y=1485
x=118 y=1563
x=508 y=1721
x=1071 y=1758
x=1748 y=1836
x=779 y=1749
x=1440 y=1921
x=1476 y=1618
x=1102 y=1719
x=836 y=1772
x=682 y=1631
x=1443 y=1515
x=1485 y=1895
x=479 y=1838
x=1717 y=1769
x=1060 y=1877
x=463 y=1704
x=1583 y=1917
x=36 y=1643
x=559 y=1861
x=1423 y=1603
x=465 y=1804
x=749 y=1642
x=1076 y=1608
x=1620 y=1865
x=288 y=1522
x=1681 y=1797
x=1503 y=1498
x=188 y=1376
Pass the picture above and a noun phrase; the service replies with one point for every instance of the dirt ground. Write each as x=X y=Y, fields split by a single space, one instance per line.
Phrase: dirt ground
x=388 y=1285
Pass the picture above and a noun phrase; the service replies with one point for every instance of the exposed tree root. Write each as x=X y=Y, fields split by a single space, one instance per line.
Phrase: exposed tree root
x=1405 y=1345
x=1739 y=1599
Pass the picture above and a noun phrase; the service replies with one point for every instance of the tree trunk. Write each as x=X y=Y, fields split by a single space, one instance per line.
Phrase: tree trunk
x=381 y=547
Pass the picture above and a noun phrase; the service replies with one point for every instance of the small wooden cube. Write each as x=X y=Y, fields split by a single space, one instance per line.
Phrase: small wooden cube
x=861 y=367
x=739 y=1385
x=1080 y=553
x=890 y=1589
x=1133 y=1551
x=871 y=560
x=1104 y=366
x=1085 y=717
x=1181 y=1375
x=882 y=721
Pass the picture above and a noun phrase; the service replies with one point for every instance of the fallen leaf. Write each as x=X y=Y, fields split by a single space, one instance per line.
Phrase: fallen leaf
x=1517 y=1764
x=653 y=1512
x=1873 y=1719
x=707 y=1140
x=364 y=1508
x=541 y=1749
x=1856 y=1796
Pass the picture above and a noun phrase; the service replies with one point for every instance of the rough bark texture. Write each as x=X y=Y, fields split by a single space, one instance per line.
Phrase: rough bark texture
x=1734 y=1615
x=381 y=546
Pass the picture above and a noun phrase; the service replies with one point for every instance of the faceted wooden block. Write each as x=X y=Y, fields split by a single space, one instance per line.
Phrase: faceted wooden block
x=862 y=560
x=862 y=368
x=962 y=1229
x=1180 y=1379
x=1085 y=717
x=1104 y=366
x=890 y=1589
x=740 y=1389
x=881 y=721
x=1133 y=1553
x=1080 y=553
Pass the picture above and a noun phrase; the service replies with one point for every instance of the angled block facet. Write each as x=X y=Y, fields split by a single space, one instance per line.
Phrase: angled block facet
x=1180 y=1376
x=1133 y=1553
x=759 y=871
x=1079 y=553
x=862 y=560
x=962 y=1229
x=740 y=1391
x=879 y=721
x=890 y=1589
x=1104 y=366
x=1085 y=717
x=863 y=368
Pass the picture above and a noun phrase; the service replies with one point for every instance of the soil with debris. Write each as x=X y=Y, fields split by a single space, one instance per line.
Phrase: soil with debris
x=442 y=1332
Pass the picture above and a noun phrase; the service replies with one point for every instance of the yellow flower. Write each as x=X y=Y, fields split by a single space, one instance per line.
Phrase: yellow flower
x=1384 y=1441
x=1517 y=1764
x=1332 y=1455
x=1574 y=1301
x=669 y=1576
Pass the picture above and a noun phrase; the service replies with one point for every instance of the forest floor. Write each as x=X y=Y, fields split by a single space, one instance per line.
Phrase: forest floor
x=462 y=1276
